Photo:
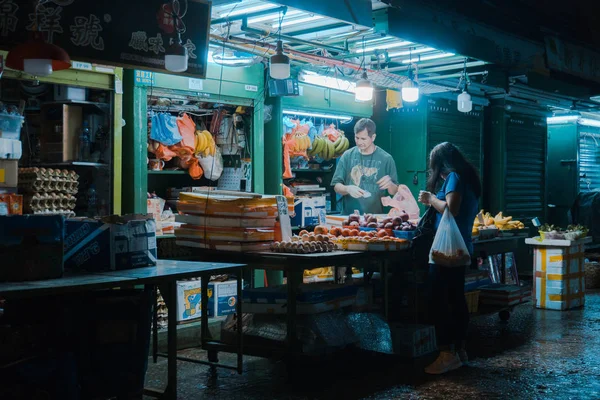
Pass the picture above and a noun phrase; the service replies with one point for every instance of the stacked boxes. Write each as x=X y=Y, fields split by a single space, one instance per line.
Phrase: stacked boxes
x=48 y=191
x=559 y=269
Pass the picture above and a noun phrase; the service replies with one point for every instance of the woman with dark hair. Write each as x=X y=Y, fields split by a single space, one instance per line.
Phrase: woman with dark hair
x=458 y=188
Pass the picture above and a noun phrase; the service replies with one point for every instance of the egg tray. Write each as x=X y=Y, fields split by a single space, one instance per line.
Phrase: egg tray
x=37 y=202
x=38 y=180
x=65 y=213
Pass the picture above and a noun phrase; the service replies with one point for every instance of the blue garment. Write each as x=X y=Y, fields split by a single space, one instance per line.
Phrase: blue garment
x=468 y=207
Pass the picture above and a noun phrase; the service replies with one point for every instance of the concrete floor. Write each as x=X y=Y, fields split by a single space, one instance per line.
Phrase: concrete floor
x=538 y=355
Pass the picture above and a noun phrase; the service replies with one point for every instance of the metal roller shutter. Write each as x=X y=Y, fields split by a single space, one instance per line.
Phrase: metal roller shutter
x=589 y=159
x=525 y=186
x=446 y=124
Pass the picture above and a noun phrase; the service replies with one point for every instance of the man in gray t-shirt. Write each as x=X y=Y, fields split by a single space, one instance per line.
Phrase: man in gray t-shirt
x=365 y=173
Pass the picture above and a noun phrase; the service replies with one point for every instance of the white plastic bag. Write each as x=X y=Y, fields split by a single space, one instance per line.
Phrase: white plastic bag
x=448 y=248
x=212 y=165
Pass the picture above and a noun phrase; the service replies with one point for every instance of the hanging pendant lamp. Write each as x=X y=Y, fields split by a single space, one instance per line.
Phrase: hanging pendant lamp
x=38 y=58
x=176 y=56
x=279 y=64
x=364 y=89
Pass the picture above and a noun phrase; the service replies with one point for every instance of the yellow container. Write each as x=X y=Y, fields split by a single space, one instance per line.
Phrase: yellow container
x=472 y=301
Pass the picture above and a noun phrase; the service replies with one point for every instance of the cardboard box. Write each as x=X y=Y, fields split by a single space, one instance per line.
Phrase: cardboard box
x=31 y=247
x=413 y=340
x=112 y=243
x=559 y=282
x=62 y=93
x=189 y=300
x=222 y=298
x=10 y=149
x=9 y=173
x=11 y=204
x=309 y=211
x=155 y=208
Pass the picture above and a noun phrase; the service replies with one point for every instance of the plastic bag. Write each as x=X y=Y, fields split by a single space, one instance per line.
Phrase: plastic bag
x=212 y=165
x=165 y=130
x=448 y=248
x=187 y=129
x=403 y=201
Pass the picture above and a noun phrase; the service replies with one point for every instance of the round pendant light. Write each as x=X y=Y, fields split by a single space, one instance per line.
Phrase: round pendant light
x=38 y=58
x=410 y=91
x=176 y=56
x=364 y=89
x=279 y=64
x=464 y=102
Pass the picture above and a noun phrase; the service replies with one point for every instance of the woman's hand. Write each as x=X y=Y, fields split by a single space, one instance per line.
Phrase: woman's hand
x=425 y=198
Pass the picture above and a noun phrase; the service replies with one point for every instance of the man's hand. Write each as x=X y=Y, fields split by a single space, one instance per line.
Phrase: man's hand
x=386 y=183
x=355 y=191
x=425 y=198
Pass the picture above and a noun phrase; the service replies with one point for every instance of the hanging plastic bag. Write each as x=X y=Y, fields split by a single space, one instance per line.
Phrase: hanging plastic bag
x=448 y=248
x=164 y=129
x=187 y=129
x=212 y=165
x=403 y=201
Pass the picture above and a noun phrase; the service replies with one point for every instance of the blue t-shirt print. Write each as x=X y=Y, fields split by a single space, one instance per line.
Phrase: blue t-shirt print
x=468 y=208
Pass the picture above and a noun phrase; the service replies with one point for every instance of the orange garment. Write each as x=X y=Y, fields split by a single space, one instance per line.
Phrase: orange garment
x=331 y=133
x=195 y=170
x=164 y=153
x=287 y=153
x=187 y=129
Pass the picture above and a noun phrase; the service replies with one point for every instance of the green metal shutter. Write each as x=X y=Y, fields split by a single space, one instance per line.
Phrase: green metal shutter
x=446 y=124
x=525 y=181
x=589 y=158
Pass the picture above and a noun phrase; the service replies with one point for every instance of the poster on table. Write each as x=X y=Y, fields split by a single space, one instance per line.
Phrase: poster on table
x=131 y=34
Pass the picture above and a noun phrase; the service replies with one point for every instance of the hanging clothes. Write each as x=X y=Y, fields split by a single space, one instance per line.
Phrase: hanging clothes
x=164 y=129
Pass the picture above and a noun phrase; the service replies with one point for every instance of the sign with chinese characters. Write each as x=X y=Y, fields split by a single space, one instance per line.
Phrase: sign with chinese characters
x=112 y=32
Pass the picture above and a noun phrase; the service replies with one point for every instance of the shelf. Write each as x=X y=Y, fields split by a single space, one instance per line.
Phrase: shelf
x=314 y=171
x=74 y=164
x=166 y=237
x=104 y=107
x=168 y=172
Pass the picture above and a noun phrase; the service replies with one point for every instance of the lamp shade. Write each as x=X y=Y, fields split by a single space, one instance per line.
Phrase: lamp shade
x=37 y=57
x=279 y=64
x=410 y=91
x=364 y=89
x=176 y=57
x=464 y=102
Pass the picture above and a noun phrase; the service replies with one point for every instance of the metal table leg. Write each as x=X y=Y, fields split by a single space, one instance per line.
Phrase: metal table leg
x=171 y=390
x=240 y=327
x=155 y=326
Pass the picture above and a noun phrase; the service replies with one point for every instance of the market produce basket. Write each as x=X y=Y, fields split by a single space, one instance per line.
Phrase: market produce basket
x=472 y=301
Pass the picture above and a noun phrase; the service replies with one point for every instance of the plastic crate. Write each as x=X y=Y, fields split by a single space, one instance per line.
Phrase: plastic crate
x=408 y=235
x=10 y=126
x=472 y=301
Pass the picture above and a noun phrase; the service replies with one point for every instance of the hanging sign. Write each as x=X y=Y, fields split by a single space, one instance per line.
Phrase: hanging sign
x=132 y=34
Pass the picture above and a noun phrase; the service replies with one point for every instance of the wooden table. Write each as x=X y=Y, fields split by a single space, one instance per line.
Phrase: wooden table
x=165 y=274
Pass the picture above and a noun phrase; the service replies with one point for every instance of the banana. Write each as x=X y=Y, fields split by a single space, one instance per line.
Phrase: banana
x=317 y=146
x=339 y=143
x=346 y=145
x=201 y=143
x=330 y=150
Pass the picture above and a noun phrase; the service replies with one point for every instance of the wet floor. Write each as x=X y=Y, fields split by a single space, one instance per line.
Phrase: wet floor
x=538 y=354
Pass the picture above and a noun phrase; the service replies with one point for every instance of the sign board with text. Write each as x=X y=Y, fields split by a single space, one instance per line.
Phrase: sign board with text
x=131 y=34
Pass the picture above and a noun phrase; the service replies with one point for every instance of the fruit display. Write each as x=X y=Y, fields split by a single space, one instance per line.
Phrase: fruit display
x=573 y=232
x=304 y=245
x=397 y=223
x=485 y=220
